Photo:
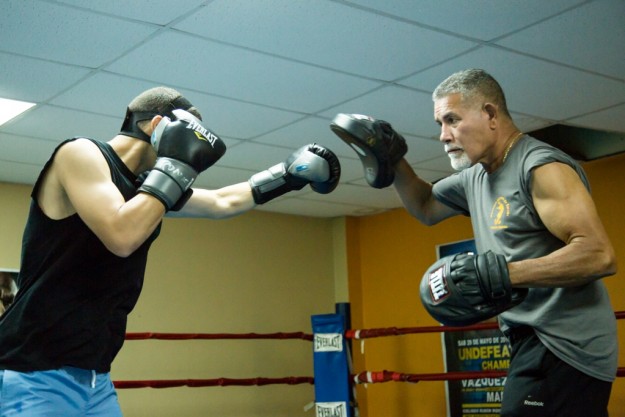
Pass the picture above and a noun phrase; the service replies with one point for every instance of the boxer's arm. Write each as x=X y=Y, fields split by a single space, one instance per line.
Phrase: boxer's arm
x=217 y=204
x=80 y=180
x=312 y=164
x=417 y=197
x=568 y=211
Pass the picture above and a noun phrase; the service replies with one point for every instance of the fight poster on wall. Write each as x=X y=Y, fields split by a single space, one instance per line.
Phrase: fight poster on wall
x=473 y=350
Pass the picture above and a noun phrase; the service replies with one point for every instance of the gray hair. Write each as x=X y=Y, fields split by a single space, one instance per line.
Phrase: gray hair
x=473 y=84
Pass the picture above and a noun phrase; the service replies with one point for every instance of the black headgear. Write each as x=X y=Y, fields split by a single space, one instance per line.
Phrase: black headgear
x=130 y=125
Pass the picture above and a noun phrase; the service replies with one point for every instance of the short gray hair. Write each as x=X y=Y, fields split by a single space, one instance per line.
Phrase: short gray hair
x=472 y=84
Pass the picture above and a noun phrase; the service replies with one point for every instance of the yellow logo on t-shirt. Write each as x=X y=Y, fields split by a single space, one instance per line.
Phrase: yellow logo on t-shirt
x=499 y=212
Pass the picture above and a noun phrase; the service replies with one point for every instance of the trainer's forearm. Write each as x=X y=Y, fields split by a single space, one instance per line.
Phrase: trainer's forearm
x=413 y=191
x=577 y=263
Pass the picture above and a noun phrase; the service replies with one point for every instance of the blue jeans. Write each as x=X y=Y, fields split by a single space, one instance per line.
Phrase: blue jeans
x=65 y=392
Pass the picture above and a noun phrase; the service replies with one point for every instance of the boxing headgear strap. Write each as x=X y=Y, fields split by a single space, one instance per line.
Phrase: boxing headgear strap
x=130 y=125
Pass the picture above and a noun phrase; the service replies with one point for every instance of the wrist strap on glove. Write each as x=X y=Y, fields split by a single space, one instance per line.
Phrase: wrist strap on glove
x=271 y=183
x=169 y=181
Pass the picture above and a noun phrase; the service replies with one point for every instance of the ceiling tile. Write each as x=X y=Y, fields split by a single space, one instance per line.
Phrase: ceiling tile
x=57 y=124
x=237 y=119
x=351 y=169
x=270 y=75
x=225 y=116
x=159 y=11
x=25 y=150
x=250 y=76
x=599 y=23
x=65 y=34
x=421 y=149
x=529 y=123
x=253 y=156
x=350 y=40
x=35 y=80
x=103 y=93
x=304 y=131
x=526 y=80
x=408 y=111
x=480 y=19
x=612 y=119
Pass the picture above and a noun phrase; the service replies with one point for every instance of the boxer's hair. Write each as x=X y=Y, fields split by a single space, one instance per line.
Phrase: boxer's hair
x=471 y=84
x=162 y=100
x=155 y=101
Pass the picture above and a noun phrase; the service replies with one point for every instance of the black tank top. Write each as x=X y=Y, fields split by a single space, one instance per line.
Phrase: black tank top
x=74 y=295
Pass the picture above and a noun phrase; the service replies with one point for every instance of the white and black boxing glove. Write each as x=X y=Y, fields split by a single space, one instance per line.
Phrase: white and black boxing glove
x=464 y=289
x=311 y=164
x=184 y=148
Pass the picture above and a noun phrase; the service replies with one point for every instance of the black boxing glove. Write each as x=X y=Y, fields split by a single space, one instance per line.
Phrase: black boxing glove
x=184 y=148
x=311 y=164
x=464 y=289
x=378 y=146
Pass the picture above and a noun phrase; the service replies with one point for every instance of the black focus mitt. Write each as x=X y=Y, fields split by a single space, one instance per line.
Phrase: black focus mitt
x=464 y=289
x=378 y=146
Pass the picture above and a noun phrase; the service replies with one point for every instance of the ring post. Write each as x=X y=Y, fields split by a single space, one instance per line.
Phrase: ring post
x=332 y=393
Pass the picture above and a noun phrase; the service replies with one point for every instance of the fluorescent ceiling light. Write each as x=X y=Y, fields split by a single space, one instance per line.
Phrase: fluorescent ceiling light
x=11 y=108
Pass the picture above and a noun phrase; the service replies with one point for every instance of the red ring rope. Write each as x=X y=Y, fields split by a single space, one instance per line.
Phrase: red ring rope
x=364 y=377
x=222 y=382
x=211 y=336
x=398 y=331
x=372 y=377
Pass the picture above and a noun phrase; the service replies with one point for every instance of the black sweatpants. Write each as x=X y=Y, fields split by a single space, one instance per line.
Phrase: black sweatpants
x=541 y=385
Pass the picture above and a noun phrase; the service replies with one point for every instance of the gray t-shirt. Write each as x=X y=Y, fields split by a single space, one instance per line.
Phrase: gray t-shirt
x=577 y=323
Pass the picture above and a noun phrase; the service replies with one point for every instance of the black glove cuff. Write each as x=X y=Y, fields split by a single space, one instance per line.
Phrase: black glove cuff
x=182 y=200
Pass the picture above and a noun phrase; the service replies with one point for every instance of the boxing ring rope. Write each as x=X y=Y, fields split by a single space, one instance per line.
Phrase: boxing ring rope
x=216 y=382
x=215 y=336
x=368 y=377
x=221 y=382
x=399 y=331
x=322 y=375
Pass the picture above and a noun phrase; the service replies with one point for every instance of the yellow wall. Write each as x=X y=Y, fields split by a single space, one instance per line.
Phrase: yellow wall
x=13 y=212
x=259 y=272
x=388 y=255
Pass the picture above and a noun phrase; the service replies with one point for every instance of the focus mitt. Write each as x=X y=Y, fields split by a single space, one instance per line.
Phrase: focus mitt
x=378 y=146
x=464 y=289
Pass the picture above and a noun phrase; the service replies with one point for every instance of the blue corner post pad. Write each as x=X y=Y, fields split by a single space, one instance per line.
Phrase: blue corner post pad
x=332 y=385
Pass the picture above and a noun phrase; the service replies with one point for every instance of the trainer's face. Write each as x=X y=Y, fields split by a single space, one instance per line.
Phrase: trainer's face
x=464 y=130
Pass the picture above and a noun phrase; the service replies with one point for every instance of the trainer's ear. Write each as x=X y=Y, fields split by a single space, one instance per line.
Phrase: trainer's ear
x=492 y=111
